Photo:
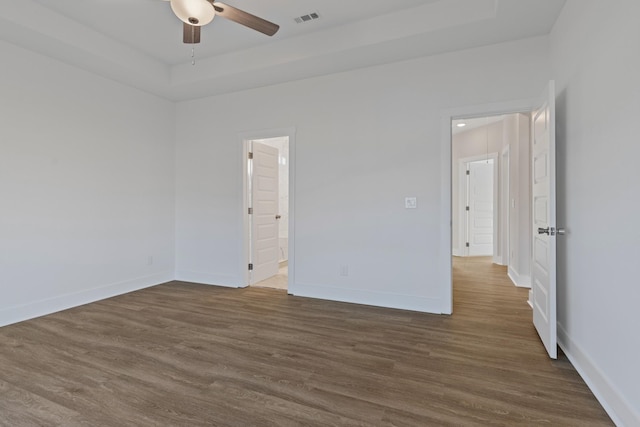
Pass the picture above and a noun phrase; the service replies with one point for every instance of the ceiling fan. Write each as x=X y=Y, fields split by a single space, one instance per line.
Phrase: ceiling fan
x=197 y=13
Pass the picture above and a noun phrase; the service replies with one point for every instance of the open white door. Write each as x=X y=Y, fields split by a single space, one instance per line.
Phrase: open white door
x=543 y=271
x=264 y=224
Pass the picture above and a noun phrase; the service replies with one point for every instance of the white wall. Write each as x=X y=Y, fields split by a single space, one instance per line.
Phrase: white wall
x=517 y=138
x=596 y=64
x=86 y=187
x=365 y=140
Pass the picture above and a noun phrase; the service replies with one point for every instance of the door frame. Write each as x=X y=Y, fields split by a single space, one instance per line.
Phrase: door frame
x=245 y=255
x=505 y=207
x=445 y=274
x=463 y=226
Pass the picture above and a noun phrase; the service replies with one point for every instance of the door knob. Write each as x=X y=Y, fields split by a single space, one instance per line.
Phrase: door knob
x=550 y=231
x=278 y=216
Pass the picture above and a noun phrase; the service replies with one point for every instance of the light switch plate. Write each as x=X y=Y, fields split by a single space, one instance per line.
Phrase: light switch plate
x=410 y=202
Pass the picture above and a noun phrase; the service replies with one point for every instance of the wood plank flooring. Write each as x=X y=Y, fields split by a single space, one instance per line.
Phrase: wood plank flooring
x=181 y=354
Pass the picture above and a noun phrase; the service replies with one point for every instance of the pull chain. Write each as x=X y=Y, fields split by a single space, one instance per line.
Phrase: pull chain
x=193 y=56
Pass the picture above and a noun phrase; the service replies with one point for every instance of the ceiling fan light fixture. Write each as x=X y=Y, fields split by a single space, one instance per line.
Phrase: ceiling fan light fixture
x=193 y=12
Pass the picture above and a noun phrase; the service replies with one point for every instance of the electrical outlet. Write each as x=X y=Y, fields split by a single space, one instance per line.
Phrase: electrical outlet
x=410 y=202
x=344 y=270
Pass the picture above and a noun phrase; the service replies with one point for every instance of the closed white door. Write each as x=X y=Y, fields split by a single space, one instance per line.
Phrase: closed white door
x=543 y=272
x=480 y=207
x=264 y=201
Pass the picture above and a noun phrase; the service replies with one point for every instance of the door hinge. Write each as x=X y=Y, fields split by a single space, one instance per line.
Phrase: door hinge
x=467 y=208
x=468 y=172
x=467 y=244
x=250 y=211
x=250 y=267
x=250 y=155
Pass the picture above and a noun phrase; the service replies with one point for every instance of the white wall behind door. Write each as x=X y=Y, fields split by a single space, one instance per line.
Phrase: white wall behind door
x=516 y=134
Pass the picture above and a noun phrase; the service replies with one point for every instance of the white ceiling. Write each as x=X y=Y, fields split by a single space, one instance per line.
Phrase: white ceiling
x=139 y=42
x=473 y=123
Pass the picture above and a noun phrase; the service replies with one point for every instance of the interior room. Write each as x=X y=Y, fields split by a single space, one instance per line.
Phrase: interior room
x=125 y=258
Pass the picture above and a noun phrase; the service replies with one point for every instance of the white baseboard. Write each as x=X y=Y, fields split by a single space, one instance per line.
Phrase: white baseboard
x=359 y=296
x=457 y=252
x=520 y=281
x=616 y=405
x=63 y=302
x=530 y=300
x=208 y=278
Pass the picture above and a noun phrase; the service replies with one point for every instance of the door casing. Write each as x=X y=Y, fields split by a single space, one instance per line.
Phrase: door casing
x=505 y=208
x=445 y=245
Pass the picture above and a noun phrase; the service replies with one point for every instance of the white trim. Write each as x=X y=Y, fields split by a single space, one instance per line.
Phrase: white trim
x=612 y=400
x=246 y=224
x=444 y=254
x=244 y=137
x=367 y=297
x=445 y=262
x=204 y=278
x=519 y=280
x=504 y=215
x=66 y=301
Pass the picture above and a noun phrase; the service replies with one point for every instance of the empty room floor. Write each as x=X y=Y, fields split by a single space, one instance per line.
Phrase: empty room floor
x=182 y=354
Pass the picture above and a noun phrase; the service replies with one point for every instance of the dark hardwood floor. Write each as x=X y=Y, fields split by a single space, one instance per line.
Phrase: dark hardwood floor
x=181 y=354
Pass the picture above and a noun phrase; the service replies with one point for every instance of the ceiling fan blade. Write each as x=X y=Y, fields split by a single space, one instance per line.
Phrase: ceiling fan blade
x=190 y=34
x=245 y=18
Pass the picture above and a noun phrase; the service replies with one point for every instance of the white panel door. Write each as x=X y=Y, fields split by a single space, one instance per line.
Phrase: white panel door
x=480 y=208
x=543 y=272
x=264 y=200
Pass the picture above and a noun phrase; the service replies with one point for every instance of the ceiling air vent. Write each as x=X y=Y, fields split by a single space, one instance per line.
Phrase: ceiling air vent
x=306 y=18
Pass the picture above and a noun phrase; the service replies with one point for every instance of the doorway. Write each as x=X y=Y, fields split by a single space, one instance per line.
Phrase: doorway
x=267 y=209
x=490 y=195
x=269 y=219
x=475 y=195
